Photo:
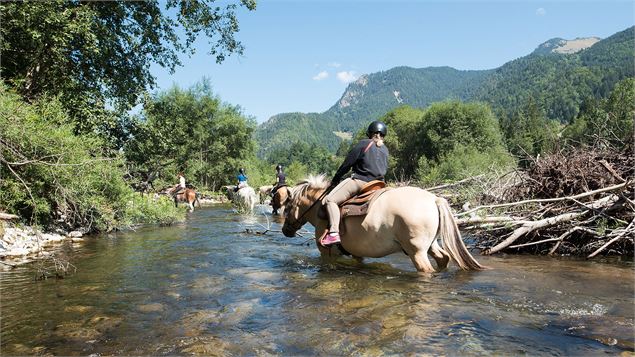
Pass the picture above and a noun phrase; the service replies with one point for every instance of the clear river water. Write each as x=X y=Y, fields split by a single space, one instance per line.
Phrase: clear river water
x=211 y=286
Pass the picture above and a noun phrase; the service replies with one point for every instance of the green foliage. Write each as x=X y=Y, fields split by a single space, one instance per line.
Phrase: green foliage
x=96 y=52
x=193 y=132
x=447 y=141
x=296 y=172
x=528 y=132
x=145 y=209
x=606 y=122
x=281 y=131
x=52 y=176
x=404 y=139
x=449 y=124
x=460 y=163
x=316 y=159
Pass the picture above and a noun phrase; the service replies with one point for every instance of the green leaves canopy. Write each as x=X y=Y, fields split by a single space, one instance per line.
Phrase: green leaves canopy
x=94 y=53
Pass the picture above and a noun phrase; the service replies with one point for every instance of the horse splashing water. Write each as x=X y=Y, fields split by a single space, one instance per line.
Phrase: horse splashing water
x=404 y=219
x=244 y=199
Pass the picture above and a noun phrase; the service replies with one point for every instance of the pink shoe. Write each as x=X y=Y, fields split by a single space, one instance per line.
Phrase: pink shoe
x=330 y=239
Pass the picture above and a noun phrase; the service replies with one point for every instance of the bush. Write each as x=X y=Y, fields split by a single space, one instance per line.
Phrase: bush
x=50 y=176
x=460 y=163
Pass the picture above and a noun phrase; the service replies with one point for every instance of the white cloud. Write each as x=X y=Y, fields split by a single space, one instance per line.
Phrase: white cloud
x=541 y=11
x=346 y=76
x=320 y=76
x=335 y=64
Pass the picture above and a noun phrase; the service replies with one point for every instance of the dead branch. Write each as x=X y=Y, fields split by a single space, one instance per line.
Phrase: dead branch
x=548 y=200
x=453 y=184
x=7 y=216
x=627 y=230
x=547 y=222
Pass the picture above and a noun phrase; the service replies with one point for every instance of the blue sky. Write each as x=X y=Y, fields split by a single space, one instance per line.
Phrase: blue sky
x=300 y=55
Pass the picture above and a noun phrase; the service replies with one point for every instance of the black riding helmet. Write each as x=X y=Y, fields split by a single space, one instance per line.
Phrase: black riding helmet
x=279 y=168
x=376 y=127
x=241 y=170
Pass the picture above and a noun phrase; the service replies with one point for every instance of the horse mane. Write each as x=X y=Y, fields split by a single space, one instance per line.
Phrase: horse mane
x=311 y=182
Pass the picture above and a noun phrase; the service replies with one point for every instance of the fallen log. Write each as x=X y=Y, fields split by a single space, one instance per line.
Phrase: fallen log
x=7 y=216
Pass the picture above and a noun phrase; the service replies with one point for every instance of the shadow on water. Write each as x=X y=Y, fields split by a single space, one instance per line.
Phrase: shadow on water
x=208 y=287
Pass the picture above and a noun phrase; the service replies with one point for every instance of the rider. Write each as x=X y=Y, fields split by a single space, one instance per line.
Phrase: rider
x=369 y=161
x=181 y=185
x=242 y=180
x=280 y=180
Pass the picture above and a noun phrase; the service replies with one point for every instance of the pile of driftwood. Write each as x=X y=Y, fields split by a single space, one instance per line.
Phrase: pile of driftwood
x=580 y=203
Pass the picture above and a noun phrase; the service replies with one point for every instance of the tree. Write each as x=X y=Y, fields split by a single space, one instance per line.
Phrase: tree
x=448 y=140
x=48 y=175
x=190 y=131
x=96 y=53
x=606 y=122
x=528 y=132
x=403 y=140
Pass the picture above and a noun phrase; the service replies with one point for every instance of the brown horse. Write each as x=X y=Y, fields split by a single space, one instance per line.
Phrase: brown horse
x=404 y=219
x=188 y=196
x=280 y=199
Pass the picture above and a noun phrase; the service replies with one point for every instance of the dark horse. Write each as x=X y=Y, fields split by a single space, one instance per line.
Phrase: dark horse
x=188 y=196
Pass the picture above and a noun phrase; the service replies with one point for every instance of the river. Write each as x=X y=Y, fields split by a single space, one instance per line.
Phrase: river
x=209 y=286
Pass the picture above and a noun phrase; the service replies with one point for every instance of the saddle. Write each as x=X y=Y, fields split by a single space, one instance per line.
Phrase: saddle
x=358 y=205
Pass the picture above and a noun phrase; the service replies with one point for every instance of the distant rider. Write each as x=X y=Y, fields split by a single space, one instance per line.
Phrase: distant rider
x=181 y=185
x=242 y=180
x=280 y=180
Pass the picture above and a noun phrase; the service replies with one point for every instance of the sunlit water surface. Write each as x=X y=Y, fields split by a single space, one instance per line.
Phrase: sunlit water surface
x=210 y=287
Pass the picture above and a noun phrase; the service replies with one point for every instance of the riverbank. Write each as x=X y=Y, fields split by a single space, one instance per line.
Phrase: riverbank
x=21 y=244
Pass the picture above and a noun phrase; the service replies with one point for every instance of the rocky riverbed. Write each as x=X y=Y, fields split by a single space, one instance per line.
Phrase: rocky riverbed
x=22 y=244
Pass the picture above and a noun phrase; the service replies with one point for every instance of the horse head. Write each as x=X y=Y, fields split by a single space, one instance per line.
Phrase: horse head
x=301 y=202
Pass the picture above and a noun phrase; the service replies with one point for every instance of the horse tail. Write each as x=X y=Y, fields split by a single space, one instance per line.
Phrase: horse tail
x=197 y=202
x=451 y=237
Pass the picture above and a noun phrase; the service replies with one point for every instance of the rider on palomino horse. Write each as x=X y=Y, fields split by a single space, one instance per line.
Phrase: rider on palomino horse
x=369 y=161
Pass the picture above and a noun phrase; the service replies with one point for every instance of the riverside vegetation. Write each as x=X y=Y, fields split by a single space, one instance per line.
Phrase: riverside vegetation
x=74 y=157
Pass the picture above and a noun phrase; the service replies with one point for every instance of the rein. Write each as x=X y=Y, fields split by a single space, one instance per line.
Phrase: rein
x=328 y=189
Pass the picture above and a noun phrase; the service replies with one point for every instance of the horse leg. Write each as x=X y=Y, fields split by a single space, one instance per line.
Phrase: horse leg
x=440 y=256
x=417 y=250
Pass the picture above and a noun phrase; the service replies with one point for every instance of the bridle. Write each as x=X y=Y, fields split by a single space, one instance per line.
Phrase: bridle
x=298 y=223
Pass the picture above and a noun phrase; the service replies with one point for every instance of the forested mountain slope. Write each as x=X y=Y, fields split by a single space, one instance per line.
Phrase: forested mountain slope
x=559 y=75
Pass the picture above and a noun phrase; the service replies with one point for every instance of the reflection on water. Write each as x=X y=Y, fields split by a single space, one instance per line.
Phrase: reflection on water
x=207 y=287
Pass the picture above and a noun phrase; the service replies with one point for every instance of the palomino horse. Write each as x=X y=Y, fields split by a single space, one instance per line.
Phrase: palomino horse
x=188 y=196
x=244 y=199
x=264 y=191
x=404 y=219
x=279 y=199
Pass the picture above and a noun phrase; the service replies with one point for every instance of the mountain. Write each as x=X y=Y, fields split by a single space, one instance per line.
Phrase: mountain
x=559 y=83
x=365 y=100
x=562 y=46
x=372 y=95
x=558 y=76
